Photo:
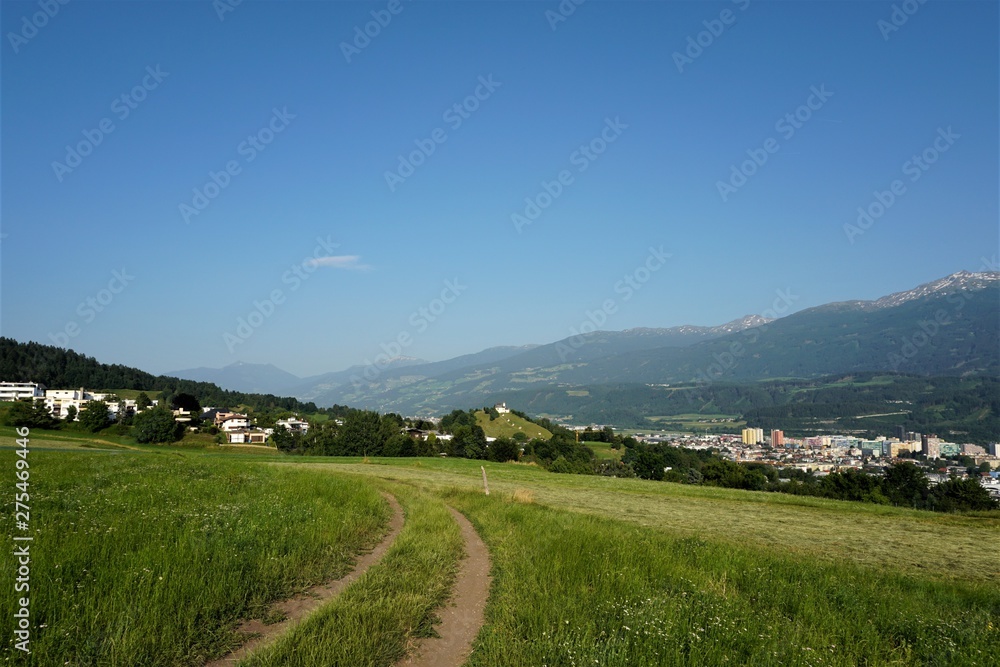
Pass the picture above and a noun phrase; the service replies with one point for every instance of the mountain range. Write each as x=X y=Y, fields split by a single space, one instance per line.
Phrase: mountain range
x=949 y=326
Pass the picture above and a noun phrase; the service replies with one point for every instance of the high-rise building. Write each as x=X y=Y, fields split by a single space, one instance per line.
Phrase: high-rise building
x=930 y=446
x=753 y=436
x=777 y=438
x=900 y=432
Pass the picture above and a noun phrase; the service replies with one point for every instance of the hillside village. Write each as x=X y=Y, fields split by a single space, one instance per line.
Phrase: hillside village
x=234 y=428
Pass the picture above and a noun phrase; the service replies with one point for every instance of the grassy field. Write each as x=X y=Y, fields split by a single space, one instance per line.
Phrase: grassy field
x=375 y=619
x=695 y=423
x=582 y=590
x=587 y=570
x=150 y=559
x=603 y=450
x=880 y=537
x=508 y=424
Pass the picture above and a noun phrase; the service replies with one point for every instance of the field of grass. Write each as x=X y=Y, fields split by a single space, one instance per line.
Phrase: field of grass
x=150 y=559
x=508 y=424
x=953 y=547
x=375 y=619
x=151 y=556
x=581 y=590
x=603 y=450
x=696 y=422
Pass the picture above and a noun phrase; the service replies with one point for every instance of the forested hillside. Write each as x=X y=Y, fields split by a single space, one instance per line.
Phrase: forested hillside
x=57 y=368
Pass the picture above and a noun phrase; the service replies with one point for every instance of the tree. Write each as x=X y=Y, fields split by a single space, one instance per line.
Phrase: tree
x=71 y=413
x=469 y=441
x=906 y=485
x=285 y=440
x=30 y=414
x=124 y=415
x=962 y=495
x=503 y=449
x=186 y=402
x=142 y=401
x=399 y=444
x=360 y=435
x=156 y=425
x=94 y=416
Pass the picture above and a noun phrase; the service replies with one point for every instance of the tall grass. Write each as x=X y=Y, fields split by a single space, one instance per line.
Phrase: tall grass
x=573 y=589
x=373 y=621
x=152 y=559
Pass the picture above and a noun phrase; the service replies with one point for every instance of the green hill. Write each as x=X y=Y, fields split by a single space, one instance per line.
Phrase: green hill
x=506 y=425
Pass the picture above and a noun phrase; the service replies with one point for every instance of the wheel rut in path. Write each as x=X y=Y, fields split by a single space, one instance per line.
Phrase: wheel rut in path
x=463 y=614
x=300 y=606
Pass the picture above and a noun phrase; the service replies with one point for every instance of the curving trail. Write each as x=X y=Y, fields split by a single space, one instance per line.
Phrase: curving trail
x=303 y=604
x=463 y=614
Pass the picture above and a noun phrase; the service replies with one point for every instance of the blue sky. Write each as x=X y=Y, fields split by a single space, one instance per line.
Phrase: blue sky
x=372 y=254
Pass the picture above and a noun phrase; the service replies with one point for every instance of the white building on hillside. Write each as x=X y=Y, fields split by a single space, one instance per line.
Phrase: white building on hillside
x=293 y=424
x=235 y=423
x=58 y=402
x=15 y=391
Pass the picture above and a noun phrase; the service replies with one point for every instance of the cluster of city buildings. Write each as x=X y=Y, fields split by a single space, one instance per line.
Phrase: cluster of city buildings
x=930 y=446
x=822 y=454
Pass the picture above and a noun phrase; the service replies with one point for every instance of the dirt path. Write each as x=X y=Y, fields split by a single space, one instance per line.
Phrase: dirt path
x=303 y=604
x=462 y=616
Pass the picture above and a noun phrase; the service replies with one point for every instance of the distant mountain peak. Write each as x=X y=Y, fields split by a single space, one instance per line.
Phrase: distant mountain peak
x=956 y=282
x=745 y=322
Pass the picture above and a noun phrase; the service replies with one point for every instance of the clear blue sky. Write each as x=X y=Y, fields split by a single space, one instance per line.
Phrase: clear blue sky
x=391 y=250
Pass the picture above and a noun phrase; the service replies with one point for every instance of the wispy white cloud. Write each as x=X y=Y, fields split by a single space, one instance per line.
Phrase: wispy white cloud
x=348 y=262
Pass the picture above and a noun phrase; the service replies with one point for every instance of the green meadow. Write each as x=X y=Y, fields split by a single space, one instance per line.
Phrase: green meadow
x=151 y=556
x=507 y=424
